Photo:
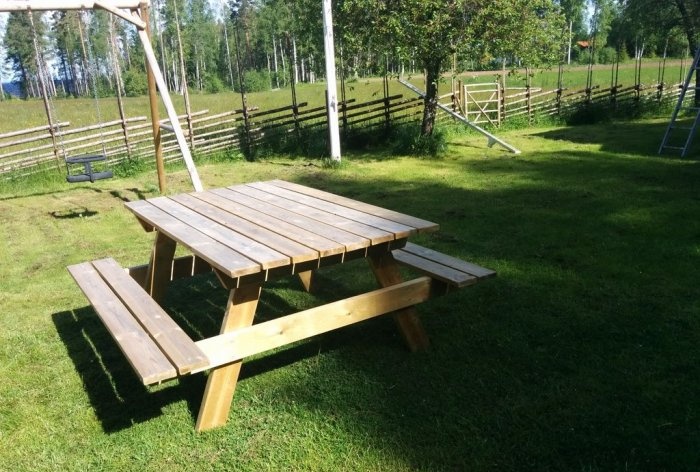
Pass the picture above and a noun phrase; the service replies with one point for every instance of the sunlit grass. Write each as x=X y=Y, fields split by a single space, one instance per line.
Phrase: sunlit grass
x=583 y=354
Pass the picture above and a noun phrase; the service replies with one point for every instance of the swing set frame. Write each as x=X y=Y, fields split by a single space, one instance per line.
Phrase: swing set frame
x=137 y=13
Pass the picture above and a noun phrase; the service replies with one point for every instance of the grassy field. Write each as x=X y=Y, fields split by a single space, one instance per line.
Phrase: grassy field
x=582 y=355
x=83 y=111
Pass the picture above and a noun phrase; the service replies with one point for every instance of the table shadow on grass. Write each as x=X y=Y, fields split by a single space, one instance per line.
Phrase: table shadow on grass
x=640 y=138
x=115 y=392
x=580 y=355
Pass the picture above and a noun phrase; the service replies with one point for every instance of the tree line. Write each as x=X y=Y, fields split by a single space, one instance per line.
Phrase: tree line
x=252 y=45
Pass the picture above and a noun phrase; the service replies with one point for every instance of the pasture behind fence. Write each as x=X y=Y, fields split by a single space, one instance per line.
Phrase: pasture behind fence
x=28 y=151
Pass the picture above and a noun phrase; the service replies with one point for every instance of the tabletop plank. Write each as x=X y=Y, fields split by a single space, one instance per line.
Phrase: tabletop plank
x=292 y=249
x=315 y=215
x=343 y=239
x=324 y=246
x=253 y=250
x=400 y=230
x=419 y=224
x=216 y=254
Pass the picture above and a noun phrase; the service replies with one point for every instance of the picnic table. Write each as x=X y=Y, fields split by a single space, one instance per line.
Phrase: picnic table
x=248 y=235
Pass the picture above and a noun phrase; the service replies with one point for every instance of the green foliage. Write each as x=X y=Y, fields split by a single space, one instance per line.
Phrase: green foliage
x=408 y=140
x=606 y=55
x=135 y=83
x=255 y=81
x=213 y=84
x=131 y=167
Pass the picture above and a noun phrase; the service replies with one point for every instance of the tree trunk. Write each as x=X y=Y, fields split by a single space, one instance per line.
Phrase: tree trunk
x=430 y=101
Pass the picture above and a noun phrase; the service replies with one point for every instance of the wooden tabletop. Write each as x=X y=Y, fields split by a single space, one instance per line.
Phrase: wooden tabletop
x=246 y=229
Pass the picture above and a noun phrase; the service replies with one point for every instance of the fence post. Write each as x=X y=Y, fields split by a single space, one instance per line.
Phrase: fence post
x=465 y=100
x=559 y=88
x=528 y=95
x=387 y=116
x=503 y=105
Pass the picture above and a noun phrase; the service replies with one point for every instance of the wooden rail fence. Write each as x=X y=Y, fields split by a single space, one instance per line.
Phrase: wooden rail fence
x=28 y=151
x=492 y=103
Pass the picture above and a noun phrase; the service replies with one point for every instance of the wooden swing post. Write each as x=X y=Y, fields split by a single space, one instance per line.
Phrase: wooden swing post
x=135 y=12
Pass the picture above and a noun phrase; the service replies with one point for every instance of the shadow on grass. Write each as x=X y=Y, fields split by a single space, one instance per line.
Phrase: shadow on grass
x=117 y=396
x=640 y=138
x=583 y=354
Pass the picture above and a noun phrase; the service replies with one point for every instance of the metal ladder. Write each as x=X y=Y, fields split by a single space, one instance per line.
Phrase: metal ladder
x=682 y=143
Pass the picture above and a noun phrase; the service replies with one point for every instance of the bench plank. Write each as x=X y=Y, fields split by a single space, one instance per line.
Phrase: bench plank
x=449 y=261
x=448 y=269
x=177 y=346
x=434 y=269
x=140 y=350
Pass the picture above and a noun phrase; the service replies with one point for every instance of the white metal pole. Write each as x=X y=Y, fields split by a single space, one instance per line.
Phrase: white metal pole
x=331 y=86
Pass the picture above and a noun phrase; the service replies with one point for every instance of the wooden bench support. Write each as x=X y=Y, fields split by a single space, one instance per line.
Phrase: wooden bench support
x=387 y=274
x=244 y=342
x=159 y=350
x=221 y=383
x=155 y=346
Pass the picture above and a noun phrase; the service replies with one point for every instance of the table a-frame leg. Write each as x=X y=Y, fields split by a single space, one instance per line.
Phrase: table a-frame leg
x=221 y=383
x=307 y=279
x=160 y=266
x=386 y=271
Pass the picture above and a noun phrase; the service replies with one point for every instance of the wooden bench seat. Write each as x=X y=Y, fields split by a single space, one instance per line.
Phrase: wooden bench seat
x=155 y=346
x=454 y=272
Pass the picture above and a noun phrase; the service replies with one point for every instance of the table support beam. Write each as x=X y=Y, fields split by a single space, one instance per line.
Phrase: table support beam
x=387 y=273
x=160 y=267
x=244 y=342
x=221 y=383
x=307 y=279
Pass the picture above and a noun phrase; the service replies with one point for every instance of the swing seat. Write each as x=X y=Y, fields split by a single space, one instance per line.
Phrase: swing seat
x=89 y=175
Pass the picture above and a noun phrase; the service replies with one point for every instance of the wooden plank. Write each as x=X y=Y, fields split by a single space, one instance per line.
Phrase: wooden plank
x=449 y=261
x=435 y=270
x=399 y=230
x=299 y=225
x=218 y=255
x=241 y=343
x=419 y=224
x=253 y=250
x=324 y=246
x=315 y=215
x=172 y=340
x=146 y=358
x=295 y=251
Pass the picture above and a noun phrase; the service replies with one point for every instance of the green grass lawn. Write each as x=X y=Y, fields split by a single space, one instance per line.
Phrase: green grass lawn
x=583 y=354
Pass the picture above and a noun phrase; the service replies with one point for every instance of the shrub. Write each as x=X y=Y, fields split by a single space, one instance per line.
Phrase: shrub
x=408 y=140
x=255 y=81
x=135 y=83
x=607 y=55
x=213 y=84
